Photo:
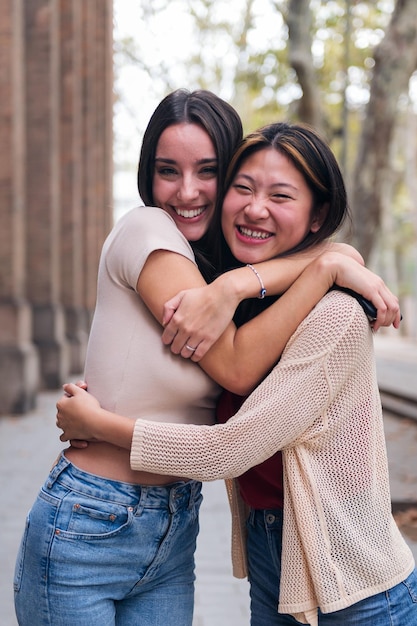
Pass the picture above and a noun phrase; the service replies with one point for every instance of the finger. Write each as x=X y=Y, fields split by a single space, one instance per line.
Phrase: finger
x=202 y=349
x=375 y=326
x=396 y=323
x=71 y=389
x=169 y=334
x=78 y=443
x=169 y=309
x=188 y=350
x=388 y=315
x=180 y=341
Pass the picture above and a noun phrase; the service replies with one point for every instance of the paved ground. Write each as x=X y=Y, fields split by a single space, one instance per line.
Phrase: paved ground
x=28 y=444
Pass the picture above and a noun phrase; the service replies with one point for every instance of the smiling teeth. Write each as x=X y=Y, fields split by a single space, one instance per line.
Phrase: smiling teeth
x=189 y=212
x=255 y=234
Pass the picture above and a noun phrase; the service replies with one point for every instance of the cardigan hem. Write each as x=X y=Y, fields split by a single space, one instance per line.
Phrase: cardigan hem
x=305 y=609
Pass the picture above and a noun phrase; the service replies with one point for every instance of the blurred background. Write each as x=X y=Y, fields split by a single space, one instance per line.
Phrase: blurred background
x=79 y=80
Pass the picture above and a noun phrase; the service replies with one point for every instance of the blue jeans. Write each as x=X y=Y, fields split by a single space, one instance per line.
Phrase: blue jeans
x=395 y=607
x=97 y=552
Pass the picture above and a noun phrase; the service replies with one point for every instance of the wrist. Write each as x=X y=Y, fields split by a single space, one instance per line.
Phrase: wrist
x=101 y=424
x=114 y=429
x=244 y=282
x=326 y=267
x=347 y=250
x=231 y=287
x=262 y=290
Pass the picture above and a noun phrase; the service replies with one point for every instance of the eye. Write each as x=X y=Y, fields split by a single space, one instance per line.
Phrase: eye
x=166 y=172
x=242 y=188
x=209 y=172
x=279 y=197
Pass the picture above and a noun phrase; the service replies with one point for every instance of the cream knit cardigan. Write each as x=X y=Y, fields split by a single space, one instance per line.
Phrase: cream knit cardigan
x=320 y=405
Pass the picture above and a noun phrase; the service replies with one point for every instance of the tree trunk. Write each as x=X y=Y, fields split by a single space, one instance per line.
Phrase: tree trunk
x=299 y=19
x=395 y=60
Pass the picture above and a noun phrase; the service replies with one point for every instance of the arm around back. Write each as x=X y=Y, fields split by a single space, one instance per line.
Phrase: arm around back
x=328 y=357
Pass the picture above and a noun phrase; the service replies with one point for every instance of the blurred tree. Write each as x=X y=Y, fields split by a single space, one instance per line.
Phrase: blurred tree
x=300 y=56
x=345 y=67
x=395 y=60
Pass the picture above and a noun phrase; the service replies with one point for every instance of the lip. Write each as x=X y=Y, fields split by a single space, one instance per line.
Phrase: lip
x=252 y=234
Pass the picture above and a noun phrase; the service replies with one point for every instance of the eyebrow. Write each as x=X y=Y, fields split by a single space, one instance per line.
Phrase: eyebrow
x=173 y=161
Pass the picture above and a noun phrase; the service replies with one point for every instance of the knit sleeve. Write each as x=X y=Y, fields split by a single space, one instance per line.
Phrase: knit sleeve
x=288 y=407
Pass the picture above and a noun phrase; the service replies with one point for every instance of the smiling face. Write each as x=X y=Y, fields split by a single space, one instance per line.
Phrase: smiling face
x=268 y=208
x=185 y=178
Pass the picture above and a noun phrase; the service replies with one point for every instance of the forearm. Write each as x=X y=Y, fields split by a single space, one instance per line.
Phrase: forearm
x=268 y=421
x=256 y=346
x=115 y=429
x=272 y=418
x=277 y=274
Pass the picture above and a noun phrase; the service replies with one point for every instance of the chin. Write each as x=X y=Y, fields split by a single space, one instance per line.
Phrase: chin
x=249 y=256
x=192 y=235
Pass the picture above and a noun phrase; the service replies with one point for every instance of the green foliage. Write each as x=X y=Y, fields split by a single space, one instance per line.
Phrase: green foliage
x=239 y=50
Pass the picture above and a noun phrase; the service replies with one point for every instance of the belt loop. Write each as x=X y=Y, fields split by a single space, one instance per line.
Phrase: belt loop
x=192 y=494
x=172 y=500
x=251 y=517
x=144 y=490
x=58 y=468
x=182 y=496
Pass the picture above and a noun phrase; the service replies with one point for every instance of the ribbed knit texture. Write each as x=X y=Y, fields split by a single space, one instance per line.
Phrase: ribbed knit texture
x=321 y=406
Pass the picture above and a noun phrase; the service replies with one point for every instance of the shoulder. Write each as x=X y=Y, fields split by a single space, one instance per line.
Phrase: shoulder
x=336 y=322
x=340 y=304
x=146 y=229
x=336 y=306
x=136 y=235
x=339 y=314
x=147 y=217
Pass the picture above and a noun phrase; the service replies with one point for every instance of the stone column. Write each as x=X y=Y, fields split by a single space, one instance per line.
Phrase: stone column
x=105 y=117
x=55 y=187
x=108 y=99
x=97 y=137
x=43 y=177
x=72 y=167
x=19 y=365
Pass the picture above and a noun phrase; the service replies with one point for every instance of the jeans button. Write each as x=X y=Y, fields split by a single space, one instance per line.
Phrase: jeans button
x=270 y=518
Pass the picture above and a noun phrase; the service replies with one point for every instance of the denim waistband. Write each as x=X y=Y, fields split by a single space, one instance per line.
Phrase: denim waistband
x=172 y=496
x=268 y=518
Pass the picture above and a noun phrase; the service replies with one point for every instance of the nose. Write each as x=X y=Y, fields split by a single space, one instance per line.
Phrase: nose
x=256 y=208
x=188 y=189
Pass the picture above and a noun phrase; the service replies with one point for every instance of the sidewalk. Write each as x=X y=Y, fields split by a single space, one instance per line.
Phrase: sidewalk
x=29 y=443
x=397 y=364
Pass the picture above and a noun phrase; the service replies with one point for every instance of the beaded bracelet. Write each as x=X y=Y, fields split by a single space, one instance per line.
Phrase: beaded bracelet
x=262 y=292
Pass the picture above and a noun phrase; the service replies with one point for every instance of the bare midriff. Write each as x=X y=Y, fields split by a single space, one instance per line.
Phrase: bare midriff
x=108 y=461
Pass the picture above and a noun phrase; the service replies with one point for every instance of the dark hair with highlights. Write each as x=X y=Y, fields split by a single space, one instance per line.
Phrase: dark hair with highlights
x=314 y=159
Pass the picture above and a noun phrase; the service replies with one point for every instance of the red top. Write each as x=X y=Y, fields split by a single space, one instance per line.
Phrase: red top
x=261 y=487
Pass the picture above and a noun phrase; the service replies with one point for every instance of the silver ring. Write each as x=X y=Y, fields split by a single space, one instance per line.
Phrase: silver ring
x=190 y=348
